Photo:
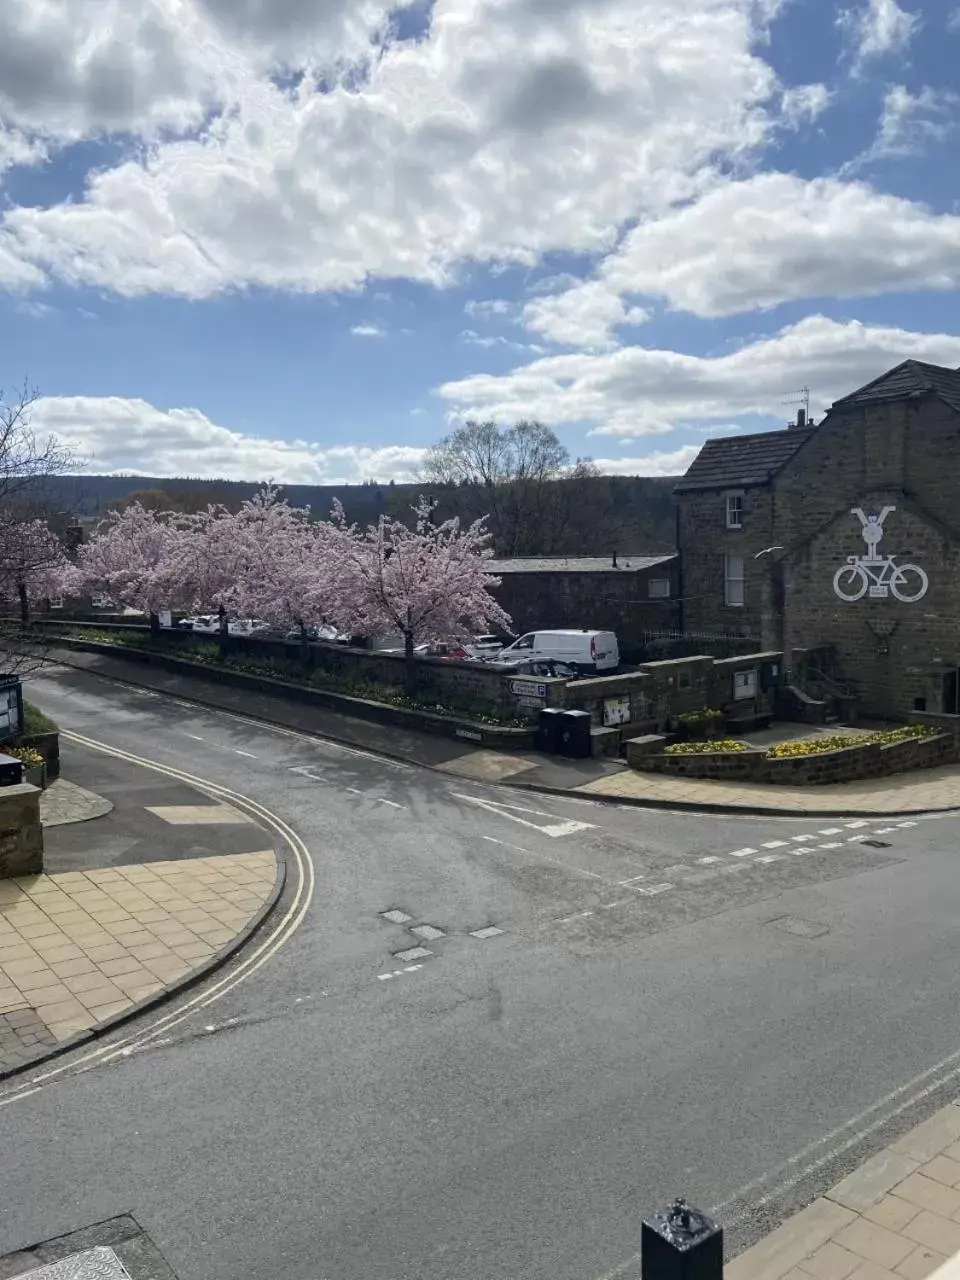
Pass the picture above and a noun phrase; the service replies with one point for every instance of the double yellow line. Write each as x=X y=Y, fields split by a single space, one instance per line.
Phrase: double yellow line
x=281 y=932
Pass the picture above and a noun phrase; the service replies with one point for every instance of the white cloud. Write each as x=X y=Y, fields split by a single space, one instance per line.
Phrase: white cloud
x=130 y=435
x=489 y=307
x=803 y=103
x=878 y=29
x=650 y=464
x=909 y=124
x=769 y=239
x=953 y=21
x=367 y=331
x=515 y=128
x=581 y=317
x=636 y=391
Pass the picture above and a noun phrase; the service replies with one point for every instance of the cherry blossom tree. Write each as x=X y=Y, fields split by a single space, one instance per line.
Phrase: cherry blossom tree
x=33 y=564
x=429 y=582
x=136 y=557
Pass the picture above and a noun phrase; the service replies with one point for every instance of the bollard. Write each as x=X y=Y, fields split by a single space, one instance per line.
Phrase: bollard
x=681 y=1243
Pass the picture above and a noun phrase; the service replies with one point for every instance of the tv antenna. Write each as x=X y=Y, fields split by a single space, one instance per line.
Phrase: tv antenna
x=801 y=397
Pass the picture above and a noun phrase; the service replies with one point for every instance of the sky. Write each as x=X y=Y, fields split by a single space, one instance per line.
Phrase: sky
x=302 y=240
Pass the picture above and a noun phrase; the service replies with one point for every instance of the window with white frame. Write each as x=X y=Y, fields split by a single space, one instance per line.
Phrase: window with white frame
x=735 y=510
x=56 y=602
x=658 y=588
x=733 y=580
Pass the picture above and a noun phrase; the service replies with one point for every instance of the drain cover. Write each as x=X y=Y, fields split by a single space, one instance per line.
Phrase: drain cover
x=877 y=844
x=800 y=928
x=428 y=932
x=413 y=953
x=395 y=916
x=490 y=931
x=92 y=1264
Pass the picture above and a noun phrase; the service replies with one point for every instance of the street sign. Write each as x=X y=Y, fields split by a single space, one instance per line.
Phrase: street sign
x=525 y=701
x=528 y=689
x=11 y=707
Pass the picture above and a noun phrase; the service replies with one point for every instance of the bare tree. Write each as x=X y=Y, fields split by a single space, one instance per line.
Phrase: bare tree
x=25 y=457
x=522 y=478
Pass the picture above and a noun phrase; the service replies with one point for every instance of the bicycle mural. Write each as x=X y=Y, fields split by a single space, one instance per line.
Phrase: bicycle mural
x=874 y=575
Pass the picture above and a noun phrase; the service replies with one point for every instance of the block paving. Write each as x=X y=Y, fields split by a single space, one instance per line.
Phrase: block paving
x=79 y=947
x=897 y=1217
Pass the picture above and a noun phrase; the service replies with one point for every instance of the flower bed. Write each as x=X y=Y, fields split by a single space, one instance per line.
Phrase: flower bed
x=834 y=758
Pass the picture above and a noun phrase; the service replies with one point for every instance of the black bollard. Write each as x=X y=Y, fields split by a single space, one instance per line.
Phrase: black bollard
x=681 y=1243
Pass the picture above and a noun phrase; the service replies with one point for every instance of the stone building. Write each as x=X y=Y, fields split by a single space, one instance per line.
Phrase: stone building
x=841 y=538
x=627 y=594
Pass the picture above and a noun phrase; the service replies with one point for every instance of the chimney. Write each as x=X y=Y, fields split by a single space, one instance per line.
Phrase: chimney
x=801 y=418
x=614 y=559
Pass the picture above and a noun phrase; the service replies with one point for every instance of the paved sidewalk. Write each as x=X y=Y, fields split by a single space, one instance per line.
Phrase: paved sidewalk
x=64 y=802
x=897 y=1217
x=79 y=948
x=924 y=791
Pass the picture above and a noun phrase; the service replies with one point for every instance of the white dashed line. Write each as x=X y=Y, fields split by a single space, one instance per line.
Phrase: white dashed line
x=906 y=824
x=774 y=844
x=771 y=857
x=741 y=853
x=706 y=862
x=805 y=849
x=652 y=889
x=861 y=822
x=805 y=838
x=829 y=831
x=884 y=831
x=396 y=973
x=248 y=754
x=831 y=844
x=392 y=803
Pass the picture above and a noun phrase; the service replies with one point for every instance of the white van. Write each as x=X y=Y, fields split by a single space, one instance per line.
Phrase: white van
x=588 y=651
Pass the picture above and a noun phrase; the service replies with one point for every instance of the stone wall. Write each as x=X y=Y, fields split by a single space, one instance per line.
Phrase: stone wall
x=21 y=835
x=617 y=600
x=848 y=764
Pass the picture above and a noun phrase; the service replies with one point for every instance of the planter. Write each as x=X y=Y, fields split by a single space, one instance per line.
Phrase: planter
x=36 y=775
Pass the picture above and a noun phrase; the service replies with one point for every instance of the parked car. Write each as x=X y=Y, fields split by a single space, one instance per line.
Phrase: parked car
x=587 y=651
x=486 y=646
x=544 y=668
x=326 y=632
x=204 y=623
x=443 y=649
x=247 y=627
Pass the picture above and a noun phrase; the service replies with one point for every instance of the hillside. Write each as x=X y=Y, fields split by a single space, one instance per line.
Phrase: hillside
x=623 y=513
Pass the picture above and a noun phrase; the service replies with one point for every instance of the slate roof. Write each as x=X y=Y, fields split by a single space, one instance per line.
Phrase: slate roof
x=912 y=377
x=737 y=461
x=577 y=564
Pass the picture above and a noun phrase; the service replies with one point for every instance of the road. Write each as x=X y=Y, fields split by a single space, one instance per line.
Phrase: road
x=731 y=1009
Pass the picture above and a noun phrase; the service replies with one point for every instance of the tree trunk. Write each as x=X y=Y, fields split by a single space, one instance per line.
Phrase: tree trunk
x=411 y=663
x=224 y=630
x=24 y=603
x=304 y=646
x=154 y=623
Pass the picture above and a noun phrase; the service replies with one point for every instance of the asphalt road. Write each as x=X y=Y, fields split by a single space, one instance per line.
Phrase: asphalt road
x=676 y=1004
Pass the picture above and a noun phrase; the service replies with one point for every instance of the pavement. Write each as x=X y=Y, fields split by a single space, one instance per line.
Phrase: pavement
x=140 y=894
x=601 y=778
x=606 y=1007
x=897 y=1217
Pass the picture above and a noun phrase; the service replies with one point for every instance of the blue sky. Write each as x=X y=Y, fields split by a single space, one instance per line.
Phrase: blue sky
x=300 y=246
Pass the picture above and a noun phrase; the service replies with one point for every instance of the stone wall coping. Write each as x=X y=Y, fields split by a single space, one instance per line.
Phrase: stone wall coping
x=748 y=659
x=704 y=658
x=19 y=790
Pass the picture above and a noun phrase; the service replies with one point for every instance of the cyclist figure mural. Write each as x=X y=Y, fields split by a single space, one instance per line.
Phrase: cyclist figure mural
x=876 y=575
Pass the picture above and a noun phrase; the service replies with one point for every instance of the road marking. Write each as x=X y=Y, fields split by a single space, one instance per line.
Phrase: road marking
x=543 y=857
x=829 y=831
x=831 y=844
x=705 y=862
x=771 y=857
x=580 y=915
x=884 y=831
x=620 y=902
x=651 y=890
x=392 y=803
x=248 y=965
x=195 y=736
x=397 y=973
x=906 y=824
x=804 y=849
x=859 y=823
x=248 y=754
x=555 y=828
x=632 y=880
x=807 y=836
x=305 y=771
x=353 y=791
x=741 y=853
x=774 y=844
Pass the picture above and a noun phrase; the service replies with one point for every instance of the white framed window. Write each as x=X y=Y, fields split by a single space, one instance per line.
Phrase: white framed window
x=745 y=684
x=733 y=581
x=735 y=510
x=56 y=602
x=658 y=588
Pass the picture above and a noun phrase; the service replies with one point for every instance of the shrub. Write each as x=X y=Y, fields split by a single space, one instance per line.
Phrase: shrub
x=34 y=721
x=27 y=756
x=703 y=748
